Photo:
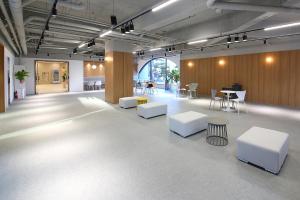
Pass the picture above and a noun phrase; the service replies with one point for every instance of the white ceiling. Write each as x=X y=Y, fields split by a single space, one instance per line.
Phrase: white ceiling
x=185 y=20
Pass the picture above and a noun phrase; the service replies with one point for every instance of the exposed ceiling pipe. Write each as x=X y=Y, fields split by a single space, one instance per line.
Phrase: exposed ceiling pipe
x=65 y=3
x=70 y=35
x=62 y=40
x=17 y=13
x=8 y=38
x=251 y=7
x=61 y=27
x=54 y=21
x=3 y=9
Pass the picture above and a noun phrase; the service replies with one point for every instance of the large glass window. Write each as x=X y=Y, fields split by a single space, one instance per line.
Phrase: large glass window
x=156 y=70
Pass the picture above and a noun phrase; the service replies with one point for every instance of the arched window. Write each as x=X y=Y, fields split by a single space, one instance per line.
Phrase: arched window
x=156 y=70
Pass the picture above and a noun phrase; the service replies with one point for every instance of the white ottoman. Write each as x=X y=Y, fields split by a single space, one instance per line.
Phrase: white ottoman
x=149 y=110
x=263 y=147
x=128 y=102
x=188 y=123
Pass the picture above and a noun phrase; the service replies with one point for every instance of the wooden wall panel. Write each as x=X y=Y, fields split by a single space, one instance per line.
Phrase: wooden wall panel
x=276 y=82
x=118 y=75
x=2 y=85
x=89 y=72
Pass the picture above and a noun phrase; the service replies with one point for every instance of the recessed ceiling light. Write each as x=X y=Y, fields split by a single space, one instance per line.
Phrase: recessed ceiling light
x=106 y=33
x=155 y=49
x=198 y=41
x=161 y=6
x=282 y=26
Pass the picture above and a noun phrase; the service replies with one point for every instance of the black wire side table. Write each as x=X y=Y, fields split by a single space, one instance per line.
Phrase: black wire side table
x=217 y=131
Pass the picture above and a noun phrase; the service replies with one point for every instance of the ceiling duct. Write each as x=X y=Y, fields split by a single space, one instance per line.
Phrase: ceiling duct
x=65 y=3
x=216 y=4
x=17 y=13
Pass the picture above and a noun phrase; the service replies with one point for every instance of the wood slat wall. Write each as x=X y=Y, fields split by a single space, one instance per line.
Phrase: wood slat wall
x=275 y=83
x=119 y=68
x=89 y=72
x=2 y=85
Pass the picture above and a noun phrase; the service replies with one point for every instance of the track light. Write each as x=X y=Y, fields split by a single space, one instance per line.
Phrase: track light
x=131 y=26
x=245 y=37
x=70 y=55
x=202 y=48
x=236 y=39
x=89 y=45
x=75 y=51
x=48 y=54
x=123 y=30
x=161 y=6
x=170 y=49
x=228 y=40
x=127 y=28
x=113 y=20
x=265 y=41
x=173 y=48
x=227 y=46
x=54 y=12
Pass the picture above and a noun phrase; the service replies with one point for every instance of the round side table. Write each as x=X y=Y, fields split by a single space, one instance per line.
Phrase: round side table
x=217 y=131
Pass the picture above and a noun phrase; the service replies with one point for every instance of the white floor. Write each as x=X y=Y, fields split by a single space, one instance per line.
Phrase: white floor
x=51 y=88
x=76 y=146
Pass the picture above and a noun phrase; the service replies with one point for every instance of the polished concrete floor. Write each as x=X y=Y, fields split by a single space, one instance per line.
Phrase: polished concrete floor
x=76 y=146
x=51 y=88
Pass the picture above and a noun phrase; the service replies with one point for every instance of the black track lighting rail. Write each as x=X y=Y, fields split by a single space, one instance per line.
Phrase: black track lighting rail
x=52 y=13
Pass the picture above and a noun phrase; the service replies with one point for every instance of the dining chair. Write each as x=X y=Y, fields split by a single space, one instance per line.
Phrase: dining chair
x=241 y=99
x=192 y=89
x=214 y=98
x=91 y=85
x=98 y=85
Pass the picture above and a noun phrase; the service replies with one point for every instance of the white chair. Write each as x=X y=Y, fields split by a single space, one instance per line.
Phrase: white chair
x=241 y=99
x=192 y=89
x=214 y=98
x=98 y=85
x=91 y=85
x=139 y=87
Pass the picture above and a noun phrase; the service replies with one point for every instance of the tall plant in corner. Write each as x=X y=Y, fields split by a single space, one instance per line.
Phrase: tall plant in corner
x=21 y=75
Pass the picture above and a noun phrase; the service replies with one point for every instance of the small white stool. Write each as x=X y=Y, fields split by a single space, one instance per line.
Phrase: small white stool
x=128 y=102
x=188 y=123
x=152 y=110
x=263 y=147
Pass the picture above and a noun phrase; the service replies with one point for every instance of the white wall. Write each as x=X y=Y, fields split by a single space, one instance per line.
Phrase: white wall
x=9 y=67
x=75 y=74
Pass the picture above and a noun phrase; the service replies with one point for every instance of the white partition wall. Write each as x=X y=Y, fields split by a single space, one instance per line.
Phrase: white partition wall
x=75 y=74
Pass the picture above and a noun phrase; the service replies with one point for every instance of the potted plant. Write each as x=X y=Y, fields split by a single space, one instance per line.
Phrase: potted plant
x=64 y=77
x=174 y=77
x=21 y=75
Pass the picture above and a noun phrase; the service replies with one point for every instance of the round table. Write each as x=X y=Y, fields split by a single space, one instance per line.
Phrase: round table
x=217 y=131
x=228 y=93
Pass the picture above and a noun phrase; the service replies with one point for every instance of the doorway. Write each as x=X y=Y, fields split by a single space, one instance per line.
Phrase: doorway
x=51 y=77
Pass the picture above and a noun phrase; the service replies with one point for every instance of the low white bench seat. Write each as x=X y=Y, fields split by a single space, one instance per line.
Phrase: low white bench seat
x=263 y=147
x=188 y=123
x=149 y=110
x=128 y=102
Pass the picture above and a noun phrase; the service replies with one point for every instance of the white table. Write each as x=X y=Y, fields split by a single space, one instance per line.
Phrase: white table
x=228 y=92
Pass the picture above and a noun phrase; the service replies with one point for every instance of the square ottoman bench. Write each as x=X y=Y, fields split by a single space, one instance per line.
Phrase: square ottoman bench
x=263 y=147
x=188 y=123
x=152 y=110
x=128 y=102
